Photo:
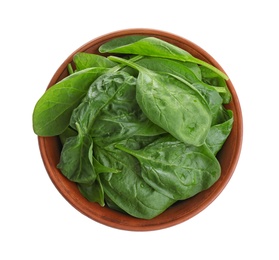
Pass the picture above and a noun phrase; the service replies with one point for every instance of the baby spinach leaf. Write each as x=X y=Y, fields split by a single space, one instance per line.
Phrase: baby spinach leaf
x=101 y=94
x=99 y=168
x=122 y=118
x=212 y=78
x=182 y=72
x=172 y=105
x=111 y=130
x=176 y=169
x=93 y=192
x=120 y=41
x=154 y=47
x=85 y=60
x=112 y=205
x=210 y=95
x=69 y=132
x=187 y=70
x=52 y=112
x=127 y=189
x=76 y=160
x=219 y=132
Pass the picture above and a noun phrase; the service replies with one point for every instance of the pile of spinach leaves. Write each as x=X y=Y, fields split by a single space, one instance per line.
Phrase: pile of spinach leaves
x=139 y=130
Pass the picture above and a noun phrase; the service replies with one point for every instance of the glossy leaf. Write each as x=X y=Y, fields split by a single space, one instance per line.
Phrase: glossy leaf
x=52 y=112
x=127 y=189
x=93 y=192
x=172 y=105
x=76 y=160
x=219 y=132
x=188 y=74
x=154 y=47
x=176 y=169
x=85 y=60
x=100 y=95
x=212 y=78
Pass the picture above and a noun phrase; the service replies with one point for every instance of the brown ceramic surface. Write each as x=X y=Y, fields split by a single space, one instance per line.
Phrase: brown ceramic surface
x=228 y=157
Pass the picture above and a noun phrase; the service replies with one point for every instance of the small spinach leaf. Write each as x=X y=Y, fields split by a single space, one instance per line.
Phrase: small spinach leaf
x=69 y=132
x=120 y=41
x=93 y=192
x=85 y=60
x=219 y=132
x=212 y=78
x=76 y=160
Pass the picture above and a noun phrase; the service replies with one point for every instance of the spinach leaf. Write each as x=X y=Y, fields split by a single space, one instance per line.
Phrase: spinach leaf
x=69 y=132
x=186 y=70
x=154 y=47
x=101 y=94
x=219 y=132
x=76 y=160
x=53 y=110
x=122 y=118
x=176 y=169
x=111 y=130
x=212 y=78
x=85 y=60
x=112 y=205
x=93 y=192
x=120 y=41
x=99 y=168
x=127 y=189
x=182 y=72
x=172 y=105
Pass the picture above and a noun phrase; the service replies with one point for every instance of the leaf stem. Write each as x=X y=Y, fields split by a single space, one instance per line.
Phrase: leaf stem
x=209 y=66
x=70 y=68
x=120 y=60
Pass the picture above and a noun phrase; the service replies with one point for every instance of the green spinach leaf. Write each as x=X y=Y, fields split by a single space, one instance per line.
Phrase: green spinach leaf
x=93 y=192
x=187 y=70
x=101 y=94
x=76 y=160
x=52 y=112
x=127 y=189
x=151 y=46
x=85 y=60
x=182 y=72
x=212 y=78
x=176 y=169
x=172 y=105
x=219 y=132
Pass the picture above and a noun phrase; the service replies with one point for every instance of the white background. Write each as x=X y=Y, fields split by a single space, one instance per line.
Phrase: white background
x=38 y=223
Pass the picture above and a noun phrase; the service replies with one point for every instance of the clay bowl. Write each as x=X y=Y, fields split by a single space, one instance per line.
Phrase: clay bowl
x=50 y=148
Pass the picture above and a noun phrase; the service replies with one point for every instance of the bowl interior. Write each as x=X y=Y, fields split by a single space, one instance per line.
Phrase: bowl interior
x=50 y=148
